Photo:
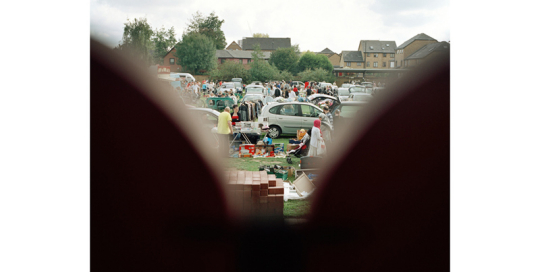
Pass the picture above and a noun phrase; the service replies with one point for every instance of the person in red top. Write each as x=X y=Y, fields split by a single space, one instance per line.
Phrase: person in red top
x=306 y=84
x=295 y=90
x=235 y=116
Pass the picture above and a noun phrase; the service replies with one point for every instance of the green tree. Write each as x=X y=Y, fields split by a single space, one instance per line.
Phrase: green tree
x=260 y=69
x=196 y=53
x=285 y=75
x=137 y=41
x=260 y=35
x=285 y=59
x=318 y=74
x=209 y=26
x=163 y=41
x=230 y=70
x=310 y=60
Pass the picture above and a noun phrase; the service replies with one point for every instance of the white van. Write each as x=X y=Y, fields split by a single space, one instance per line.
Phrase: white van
x=186 y=76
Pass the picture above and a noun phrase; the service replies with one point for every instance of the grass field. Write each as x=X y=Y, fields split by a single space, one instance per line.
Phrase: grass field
x=291 y=208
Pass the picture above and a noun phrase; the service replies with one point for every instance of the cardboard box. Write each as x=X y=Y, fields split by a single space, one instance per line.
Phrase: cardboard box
x=303 y=184
x=276 y=190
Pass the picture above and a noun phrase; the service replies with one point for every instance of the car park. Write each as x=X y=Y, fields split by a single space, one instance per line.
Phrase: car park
x=288 y=117
x=349 y=109
x=346 y=85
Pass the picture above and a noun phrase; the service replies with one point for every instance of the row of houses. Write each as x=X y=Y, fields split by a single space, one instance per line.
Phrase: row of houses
x=375 y=54
x=371 y=54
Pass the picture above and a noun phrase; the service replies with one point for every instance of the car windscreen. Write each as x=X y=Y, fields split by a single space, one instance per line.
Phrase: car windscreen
x=356 y=90
x=343 y=92
x=254 y=90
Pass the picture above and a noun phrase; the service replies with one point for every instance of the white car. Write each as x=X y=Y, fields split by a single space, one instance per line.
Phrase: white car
x=343 y=93
x=288 y=117
x=255 y=89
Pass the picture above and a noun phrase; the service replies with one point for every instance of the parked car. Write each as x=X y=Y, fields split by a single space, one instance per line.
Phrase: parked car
x=318 y=99
x=219 y=103
x=288 y=117
x=299 y=84
x=346 y=85
x=256 y=83
x=255 y=89
x=207 y=117
x=343 y=93
x=253 y=97
x=357 y=89
x=226 y=86
x=360 y=97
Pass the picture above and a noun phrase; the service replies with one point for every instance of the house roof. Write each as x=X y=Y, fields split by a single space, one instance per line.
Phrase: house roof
x=265 y=43
x=420 y=36
x=327 y=51
x=352 y=56
x=238 y=54
x=428 y=49
x=369 y=46
x=232 y=45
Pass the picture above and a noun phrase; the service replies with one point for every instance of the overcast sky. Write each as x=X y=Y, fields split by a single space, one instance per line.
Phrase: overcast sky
x=313 y=24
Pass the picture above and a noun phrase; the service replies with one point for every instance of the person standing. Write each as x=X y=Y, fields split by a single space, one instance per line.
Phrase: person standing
x=277 y=93
x=292 y=95
x=316 y=142
x=224 y=129
x=329 y=115
x=295 y=90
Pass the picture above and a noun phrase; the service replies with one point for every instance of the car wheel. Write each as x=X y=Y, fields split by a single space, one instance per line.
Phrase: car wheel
x=274 y=132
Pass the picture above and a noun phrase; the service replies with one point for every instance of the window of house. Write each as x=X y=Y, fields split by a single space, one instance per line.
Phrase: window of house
x=376 y=55
x=171 y=61
x=391 y=55
x=367 y=54
x=384 y=55
x=384 y=64
x=367 y=64
x=249 y=60
x=358 y=63
x=222 y=60
x=391 y=64
x=348 y=63
x=375 y=64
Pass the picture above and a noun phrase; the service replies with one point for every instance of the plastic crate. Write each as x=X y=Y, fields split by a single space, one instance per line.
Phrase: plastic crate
x=282 y=176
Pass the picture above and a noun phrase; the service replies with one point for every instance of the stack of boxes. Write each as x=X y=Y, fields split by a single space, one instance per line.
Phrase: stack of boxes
x=255 y=193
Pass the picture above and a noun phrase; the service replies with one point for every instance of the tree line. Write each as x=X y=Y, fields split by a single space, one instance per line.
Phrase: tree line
x=196 y=52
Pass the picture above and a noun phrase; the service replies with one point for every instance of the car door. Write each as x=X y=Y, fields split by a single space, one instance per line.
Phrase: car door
x=289 y=118
x=309 y=115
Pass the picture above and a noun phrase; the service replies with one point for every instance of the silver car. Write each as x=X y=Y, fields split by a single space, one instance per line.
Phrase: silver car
x=255 y=89
x=208 y=118
x=288 y=117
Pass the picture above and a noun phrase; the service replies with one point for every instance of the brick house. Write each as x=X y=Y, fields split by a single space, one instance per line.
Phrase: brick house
x=171 y=60
x=378 y=54
x=351 y=59
x=240 y=56
x=327 y=52
x=410 y=46
x=332 y=56
x=427 y=52
x=267 y=44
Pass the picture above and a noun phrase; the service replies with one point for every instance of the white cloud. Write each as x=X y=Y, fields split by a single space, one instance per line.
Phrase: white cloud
x=314 y=25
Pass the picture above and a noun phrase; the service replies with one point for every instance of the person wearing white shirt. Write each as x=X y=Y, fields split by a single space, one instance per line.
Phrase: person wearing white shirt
x=292 y=95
